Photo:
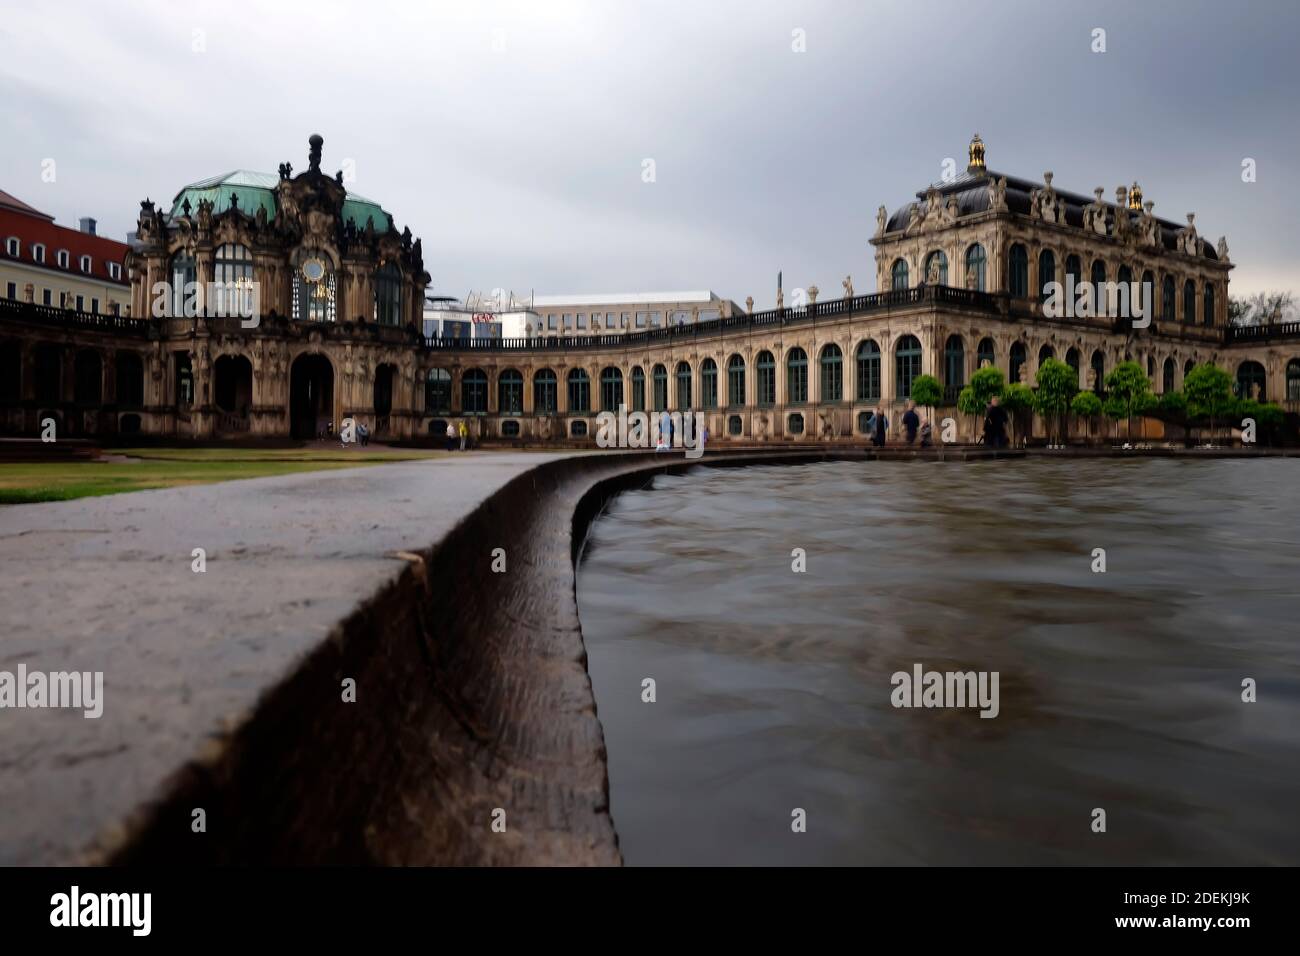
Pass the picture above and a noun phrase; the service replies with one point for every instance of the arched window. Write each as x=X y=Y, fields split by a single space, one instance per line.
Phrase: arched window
x=1017 y=361
x=1189 y=301
x=1046 y=272
x=1099 y=304
x=1250 y=381
x=936 y=268
x=796 y=377
x=545 y=392
x=313 y=287
x=659 y=388
x=185 y=275
x=985 y=354
x=832 y=365
x=975 y=263
x=473 y=392
x=907 y=364
x=1018 y=271
x=437 y=391
x=232 y=271
x=1293 y=380
x=735 y=425
x=88 y=371
x=765 y=365
x=735 y=381
x=709 y=383
x=579 y=390
x=1098 y=383
x=794 y=424
x=1208 y=304
x=510 y=392
x=868 y=359
x=611 y=389
x=1073 y=275
x=1187 y=368
x=683 y=386
x=638 y=389
x=130 y=379
x=898 y=275
x=1148 y=294
x=1072 y=360
x=388 y=294
x=1167 y=307
x=1168 y=375
x=1151 y=367
x=954 y=362
x=1045 y=353
x=1128 y=302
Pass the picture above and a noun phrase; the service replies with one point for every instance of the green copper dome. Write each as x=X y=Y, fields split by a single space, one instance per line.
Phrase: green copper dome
x=256 y=189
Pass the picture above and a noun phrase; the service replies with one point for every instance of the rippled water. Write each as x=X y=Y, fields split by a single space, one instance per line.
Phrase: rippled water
x=1119 y=690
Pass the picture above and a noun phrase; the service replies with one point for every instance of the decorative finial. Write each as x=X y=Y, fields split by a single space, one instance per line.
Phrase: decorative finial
x=1191 y=218
x=315 y=141
x=1135 y=197
x=1047 y=177
x=976 y=154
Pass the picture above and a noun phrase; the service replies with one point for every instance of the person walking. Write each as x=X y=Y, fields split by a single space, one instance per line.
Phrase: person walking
x=911 y=422
x=464 y=434
x=995 y=425
x=451 y=437
x=878 y=426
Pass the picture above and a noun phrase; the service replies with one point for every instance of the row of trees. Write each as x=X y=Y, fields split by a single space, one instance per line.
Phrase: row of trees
x=1207 y=397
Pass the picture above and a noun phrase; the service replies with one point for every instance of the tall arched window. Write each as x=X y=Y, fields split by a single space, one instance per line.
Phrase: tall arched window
x=313 y=287
x=832 y=366
x=545 y=392
x=1293 y=380
x=1046 y=272
x=611 y=389
x=975 y=263
x=709 y=383
x=1018 y=271
x=1016 y=361
x=683 y=386
x=88 y=377
x=898 y=275
x=1045 y=353
x=1208 y=304
x=954 y=362
x=1250 y=381
x=936 y=268
x=473 y=392
x=1167 y=373
x=796 y=377
x=868 y=361
x=659 y=388
x=1147 y=294
x=184 y=275
x=388 y=294
x=765 y=366
x=735 y=381
x=1167 y=307
x=985 y=354
x=1127 y=301
x=1072 y=360
x=1098 y=383
x=1099 y=303
x=1189 y=302
x=510 y=392
x=232 y=272
x=638 y=388
x=437 y=391
x=907 y=364
x=1073 y=275
x=579 y=390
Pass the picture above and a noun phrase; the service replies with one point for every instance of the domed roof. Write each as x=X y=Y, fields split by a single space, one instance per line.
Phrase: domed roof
x=255 y=189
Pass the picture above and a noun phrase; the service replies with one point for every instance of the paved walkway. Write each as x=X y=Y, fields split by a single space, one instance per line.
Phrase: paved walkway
x=105 y=584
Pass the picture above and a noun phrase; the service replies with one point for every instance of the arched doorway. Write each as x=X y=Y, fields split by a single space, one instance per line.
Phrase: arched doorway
x=383 y=396
x=311 y=396
x=234 y=384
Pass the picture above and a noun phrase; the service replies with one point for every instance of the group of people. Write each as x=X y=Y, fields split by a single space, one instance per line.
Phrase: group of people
x=994 y=436
x=454 y=432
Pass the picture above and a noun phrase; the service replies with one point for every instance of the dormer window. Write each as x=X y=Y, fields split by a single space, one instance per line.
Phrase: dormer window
x=13 y=246
x=85 y=263
x=61 y=258
x=115 y=270
x=38 y=253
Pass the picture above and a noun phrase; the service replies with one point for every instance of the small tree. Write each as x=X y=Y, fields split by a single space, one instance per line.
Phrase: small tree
x=1018 y=400
x=1127 y=385
x=1086 y=405
x=1209 y=392
x=1173 y=407
x=927 y=391
x=1057 y=385
x=975 y=397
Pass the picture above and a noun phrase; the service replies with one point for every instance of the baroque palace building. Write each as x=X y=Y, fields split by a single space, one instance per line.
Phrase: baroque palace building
x=960 y=274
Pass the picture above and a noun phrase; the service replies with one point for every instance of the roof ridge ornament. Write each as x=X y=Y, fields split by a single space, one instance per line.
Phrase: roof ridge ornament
x=315 y=141
x=975 y=154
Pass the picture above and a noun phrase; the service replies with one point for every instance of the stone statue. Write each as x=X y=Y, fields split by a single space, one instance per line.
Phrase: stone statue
x=780 y=298
x=749 y=304
x=812 y=294
x=1254 y=390
x=285 y=170
x=882 y=216
x=1222 y=249
x=848 y=285
x=932 y=272
x=314 y=142
x=998 y=194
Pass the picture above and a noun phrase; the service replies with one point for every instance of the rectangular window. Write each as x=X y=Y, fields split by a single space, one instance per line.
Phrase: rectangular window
x=610 y=318
x=710 y=315
x=46 y=298
x=94 y=306
x=625 y=320
x=656 y=319
x=11 y=290
x=582 y=320
x=38 y=253
x=114 y=270
x=81 y=303
x=85 y=263
x=641 y=319
x=14 y=247
x=61 y=258
x=550 y=322
x=680 y=318
x=568 y=321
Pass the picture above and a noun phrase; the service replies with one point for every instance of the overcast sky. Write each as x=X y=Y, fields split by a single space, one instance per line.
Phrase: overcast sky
x=512 y=137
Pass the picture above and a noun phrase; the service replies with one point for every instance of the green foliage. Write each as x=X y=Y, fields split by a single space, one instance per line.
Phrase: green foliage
x=968 y=403
x=1086 y=405
x=1142 y=404
x=1057 y=385
x=1209 y=391
x=1127 y=384
x=1115 y=407
x=1271 y=414
x=926 y=390
x=986 y=383
x=1173 y=404
x=1017 y=397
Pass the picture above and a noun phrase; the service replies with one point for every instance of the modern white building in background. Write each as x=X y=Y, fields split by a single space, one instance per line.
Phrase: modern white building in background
x=620 y=313
x=478 y=317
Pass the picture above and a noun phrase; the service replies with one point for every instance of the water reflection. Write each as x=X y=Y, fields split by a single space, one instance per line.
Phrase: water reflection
x=1118 y=690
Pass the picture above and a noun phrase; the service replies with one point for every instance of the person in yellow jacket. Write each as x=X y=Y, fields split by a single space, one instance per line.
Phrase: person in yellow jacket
x=464 y=433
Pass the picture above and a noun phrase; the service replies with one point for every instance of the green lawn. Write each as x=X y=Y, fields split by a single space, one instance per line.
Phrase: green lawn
x=21 y=483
